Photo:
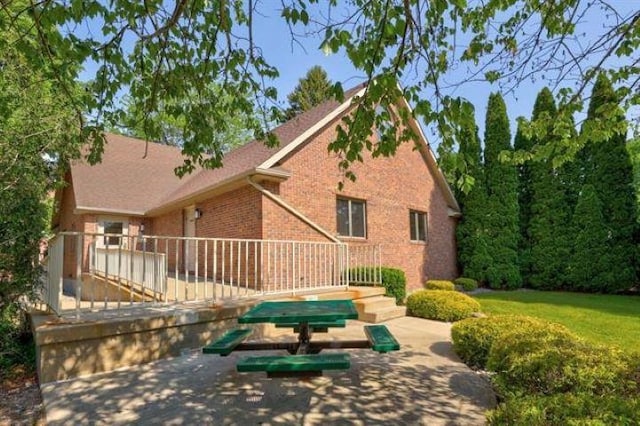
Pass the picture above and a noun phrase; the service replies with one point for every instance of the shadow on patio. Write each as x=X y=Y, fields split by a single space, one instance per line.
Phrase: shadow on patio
x=413 y=386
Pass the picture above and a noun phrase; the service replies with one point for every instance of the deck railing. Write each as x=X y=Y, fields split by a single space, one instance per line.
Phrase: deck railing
x=87 y=271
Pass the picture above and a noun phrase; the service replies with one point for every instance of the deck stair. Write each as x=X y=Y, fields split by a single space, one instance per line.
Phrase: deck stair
x=378 y=309
x=371 y=303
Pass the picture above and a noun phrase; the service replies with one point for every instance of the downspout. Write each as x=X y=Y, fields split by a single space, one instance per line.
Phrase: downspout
x=279 y=201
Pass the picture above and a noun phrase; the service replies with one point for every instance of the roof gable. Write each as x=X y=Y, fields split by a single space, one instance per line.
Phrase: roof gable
x=126 y=180
x=129 y=182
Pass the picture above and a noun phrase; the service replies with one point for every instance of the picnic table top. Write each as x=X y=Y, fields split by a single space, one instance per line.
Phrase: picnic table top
x=300 y=311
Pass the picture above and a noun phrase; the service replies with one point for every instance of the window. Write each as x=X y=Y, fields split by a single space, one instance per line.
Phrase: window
x=112 y=225
x=418 y=225
x=112 y=228
x=352 y=217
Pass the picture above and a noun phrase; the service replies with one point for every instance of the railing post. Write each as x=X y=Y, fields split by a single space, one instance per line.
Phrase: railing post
x=120 y=272
x=195 y=272
x=156 y=271
x=379 y=264
x=78 y=273
x=293 y=268
x=132 y=247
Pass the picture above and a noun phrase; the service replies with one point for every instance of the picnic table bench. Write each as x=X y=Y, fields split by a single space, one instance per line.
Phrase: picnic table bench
x=305 y=357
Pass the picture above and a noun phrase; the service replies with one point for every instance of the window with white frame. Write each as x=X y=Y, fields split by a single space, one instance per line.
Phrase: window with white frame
x=418 y=225
x=352 y=217
x=112 y=226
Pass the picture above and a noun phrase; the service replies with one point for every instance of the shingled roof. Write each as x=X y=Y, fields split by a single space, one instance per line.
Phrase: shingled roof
x=128 y=182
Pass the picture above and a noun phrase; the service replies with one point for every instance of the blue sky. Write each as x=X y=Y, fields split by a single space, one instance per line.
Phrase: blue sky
x=293 y=61
x=272 y=35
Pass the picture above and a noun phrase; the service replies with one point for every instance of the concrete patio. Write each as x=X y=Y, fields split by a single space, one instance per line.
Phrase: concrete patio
x=423 y=383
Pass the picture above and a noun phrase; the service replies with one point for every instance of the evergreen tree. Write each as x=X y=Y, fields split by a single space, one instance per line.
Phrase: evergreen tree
x=501 y=217
x=312 y=89
x=549 y=212
x=470 y=232
x=633 y=147
x=610 y=172
x=524 y=205
x=589 y=267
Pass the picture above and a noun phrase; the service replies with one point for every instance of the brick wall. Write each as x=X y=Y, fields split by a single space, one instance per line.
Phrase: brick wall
x=234 y=214
x=87 y=223
x=169 y=224
x=390 y=187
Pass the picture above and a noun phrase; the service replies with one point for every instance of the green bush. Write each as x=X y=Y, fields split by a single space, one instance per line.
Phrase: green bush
x=17 y=348
x=393 y=280
x=473 y=337
x=439 y=285
x=566 y=409
x=441 y=305
x=550 y=360
x=467 y=284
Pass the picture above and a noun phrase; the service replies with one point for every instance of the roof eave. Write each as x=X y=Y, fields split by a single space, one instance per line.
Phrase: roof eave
x=102 y=210
x=290 y=147
x=433 y=163
x=274 y=175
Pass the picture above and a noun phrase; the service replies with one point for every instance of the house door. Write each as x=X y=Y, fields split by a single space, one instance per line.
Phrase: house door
x=189 y=227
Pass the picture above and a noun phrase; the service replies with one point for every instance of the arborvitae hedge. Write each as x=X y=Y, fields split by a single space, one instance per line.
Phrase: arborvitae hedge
x=524 y=205
x=469 y=232
x=589 y=266
x=611 y=175
x=550 y=217
x=501 y=209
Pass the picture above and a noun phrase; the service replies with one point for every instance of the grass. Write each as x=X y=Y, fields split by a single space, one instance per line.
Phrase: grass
x=607 y=319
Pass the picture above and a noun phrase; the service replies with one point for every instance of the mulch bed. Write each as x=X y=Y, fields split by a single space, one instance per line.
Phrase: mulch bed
x=21 y=402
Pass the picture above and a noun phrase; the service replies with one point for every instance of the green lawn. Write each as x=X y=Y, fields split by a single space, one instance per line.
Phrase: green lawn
x=599 y=318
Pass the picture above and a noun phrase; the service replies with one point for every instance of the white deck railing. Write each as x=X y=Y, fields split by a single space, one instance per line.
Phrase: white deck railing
x=52 y=282
x=106 y=272
x=136 y=267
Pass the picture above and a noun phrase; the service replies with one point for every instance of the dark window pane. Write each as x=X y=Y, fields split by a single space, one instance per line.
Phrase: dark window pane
x=358 y=224
x=342 y=210
x=418 y=225
x=412 y=226
x=422 y=226
x=112 y=228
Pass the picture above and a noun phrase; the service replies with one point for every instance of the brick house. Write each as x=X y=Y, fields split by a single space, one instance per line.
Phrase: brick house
x=402 y=203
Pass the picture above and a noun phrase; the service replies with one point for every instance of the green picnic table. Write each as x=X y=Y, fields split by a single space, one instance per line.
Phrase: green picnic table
x=305 y=318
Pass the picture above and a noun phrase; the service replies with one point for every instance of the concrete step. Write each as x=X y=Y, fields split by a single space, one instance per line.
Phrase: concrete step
x=384 y=314
x=373 y=304
x=352 y=293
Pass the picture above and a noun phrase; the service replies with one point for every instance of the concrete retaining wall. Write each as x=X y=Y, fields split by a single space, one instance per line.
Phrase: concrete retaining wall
x=66 y=349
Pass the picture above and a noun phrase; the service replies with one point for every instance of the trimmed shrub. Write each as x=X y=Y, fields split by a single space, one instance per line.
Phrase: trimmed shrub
x=563 y=409
x=467 y=284
x=394 y=281
x=441 y=305
x=439 y=285
x=473 y=337
x=550 y=360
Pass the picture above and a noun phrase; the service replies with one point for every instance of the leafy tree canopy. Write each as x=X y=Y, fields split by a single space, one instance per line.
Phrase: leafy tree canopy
x=165 y=127
x=170 y=50
x=37 y=130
